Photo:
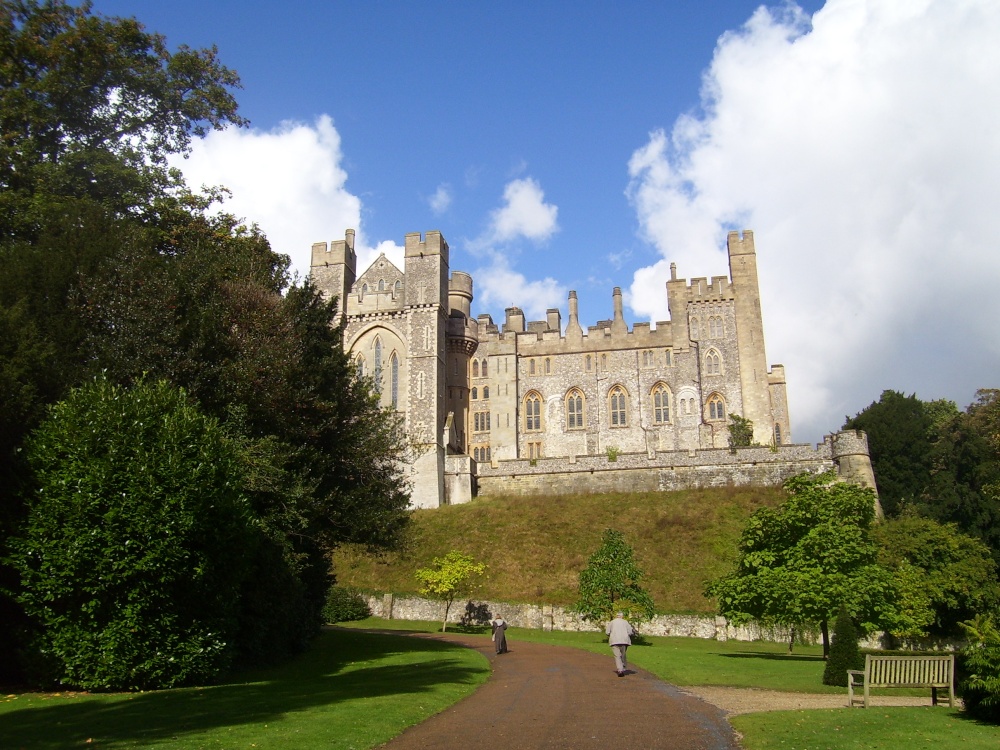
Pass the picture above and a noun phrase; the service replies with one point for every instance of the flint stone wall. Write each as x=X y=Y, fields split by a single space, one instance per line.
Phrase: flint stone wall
x=657 y=471
x=548 y=617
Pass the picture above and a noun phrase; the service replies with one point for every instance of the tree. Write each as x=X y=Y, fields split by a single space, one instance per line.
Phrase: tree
x=844 y=651
x=611 y=582
x=450 y=576
x=952 y=574
x=136 y=540
x=900 y=430
x=802 y=561
x=981 y=688
x=740 y=432
x=964 y=486
x=90 y=108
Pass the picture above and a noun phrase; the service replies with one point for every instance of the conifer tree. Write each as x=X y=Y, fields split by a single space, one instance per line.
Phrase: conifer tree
x=844 y=651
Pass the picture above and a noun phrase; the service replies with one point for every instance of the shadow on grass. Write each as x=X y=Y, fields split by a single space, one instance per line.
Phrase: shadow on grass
x=772 y=657
x=319 y=677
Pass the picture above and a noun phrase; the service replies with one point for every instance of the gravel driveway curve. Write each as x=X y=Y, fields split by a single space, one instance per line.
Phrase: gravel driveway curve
x=559 y=697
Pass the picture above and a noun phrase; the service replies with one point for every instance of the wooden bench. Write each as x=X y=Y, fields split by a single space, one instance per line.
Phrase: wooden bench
x=903 y=672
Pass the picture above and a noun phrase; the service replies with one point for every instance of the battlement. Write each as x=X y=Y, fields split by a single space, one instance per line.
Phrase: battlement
x=432 y=244
x=740 y=243
x=338 y=252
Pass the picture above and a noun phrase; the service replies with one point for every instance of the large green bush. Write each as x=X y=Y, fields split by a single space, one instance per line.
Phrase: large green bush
x=344 y=605
x=136 y=542
x=981 y=664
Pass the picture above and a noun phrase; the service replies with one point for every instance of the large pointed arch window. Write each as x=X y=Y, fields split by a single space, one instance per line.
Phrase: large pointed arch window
x=716 y=408
x=661 y=404
x=617 y=407
x=574 y=409
x=377 y=373
x=532 y=412
x=713 y=363
x=394 y=380
x=715 y=327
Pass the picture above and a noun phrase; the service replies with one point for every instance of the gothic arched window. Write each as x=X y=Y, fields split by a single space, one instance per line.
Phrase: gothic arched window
x=716 y=408
x=574 y=409
x=661 y=404
x=484 y=368
x=394 y=380
x=715 y=327
x=617 y=407
x=713 y=363
x=486 y=393
x=475 y=368
x=378 y=365
x=532 y=412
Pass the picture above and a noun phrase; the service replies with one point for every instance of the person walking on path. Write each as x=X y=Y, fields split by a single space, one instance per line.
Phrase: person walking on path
x=620 y=638
x=500 y=634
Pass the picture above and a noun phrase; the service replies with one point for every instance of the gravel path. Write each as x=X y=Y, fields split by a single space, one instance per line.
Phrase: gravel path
x=747 y=700
x=559 y=697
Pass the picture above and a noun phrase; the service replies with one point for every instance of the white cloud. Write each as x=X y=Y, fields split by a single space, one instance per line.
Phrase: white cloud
x=290 y=181
x=441 y=200
x=863 y=151
x=524 y=213
x=499 y=287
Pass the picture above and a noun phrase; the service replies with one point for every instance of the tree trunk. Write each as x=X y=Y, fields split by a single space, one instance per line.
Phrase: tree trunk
x=444 y=625
x=825 y=627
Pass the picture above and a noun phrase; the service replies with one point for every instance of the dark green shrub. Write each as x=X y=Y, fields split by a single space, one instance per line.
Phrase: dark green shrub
x=135 y=546
x=980 y=689
x=844 y=651
x=344 y=605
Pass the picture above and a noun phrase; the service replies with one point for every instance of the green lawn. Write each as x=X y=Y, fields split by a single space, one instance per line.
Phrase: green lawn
x=695 y=661
x=351 y=690
x=358 y=690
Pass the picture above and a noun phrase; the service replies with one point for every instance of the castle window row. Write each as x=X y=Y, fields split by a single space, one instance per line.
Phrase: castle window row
x=544 y=366
x=486 y=393
x=714 y=327
x=480 y=368
x=481 y=421
x=481 y=453
x=617 y=408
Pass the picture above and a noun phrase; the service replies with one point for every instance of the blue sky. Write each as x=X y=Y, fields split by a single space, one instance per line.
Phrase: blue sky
x=586 y=146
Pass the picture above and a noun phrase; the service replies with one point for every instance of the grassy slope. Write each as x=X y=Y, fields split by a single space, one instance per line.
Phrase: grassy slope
x=536 y=547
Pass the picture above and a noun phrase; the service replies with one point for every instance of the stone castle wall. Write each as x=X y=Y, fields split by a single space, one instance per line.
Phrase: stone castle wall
x=548 y=617
x=654 y=472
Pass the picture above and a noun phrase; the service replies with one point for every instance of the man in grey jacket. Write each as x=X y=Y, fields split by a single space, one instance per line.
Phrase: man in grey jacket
x=620 y=638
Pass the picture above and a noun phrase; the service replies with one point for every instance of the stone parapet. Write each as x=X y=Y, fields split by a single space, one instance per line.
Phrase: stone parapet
x=657 y=471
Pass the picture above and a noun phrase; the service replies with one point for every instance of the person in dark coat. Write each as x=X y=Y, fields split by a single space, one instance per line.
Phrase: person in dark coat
x=500 y=634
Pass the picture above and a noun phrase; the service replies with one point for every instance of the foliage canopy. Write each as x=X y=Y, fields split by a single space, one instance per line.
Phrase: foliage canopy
x=611 y=582
x=800 y=562
x=136 y=541
x=451 y=576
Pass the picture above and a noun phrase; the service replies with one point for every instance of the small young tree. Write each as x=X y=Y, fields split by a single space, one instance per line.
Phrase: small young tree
x=740 y=432
x=610 y=583
x=844 y=651
x=451 y=576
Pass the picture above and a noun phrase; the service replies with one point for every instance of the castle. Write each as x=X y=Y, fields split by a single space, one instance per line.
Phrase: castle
x=529 y=407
